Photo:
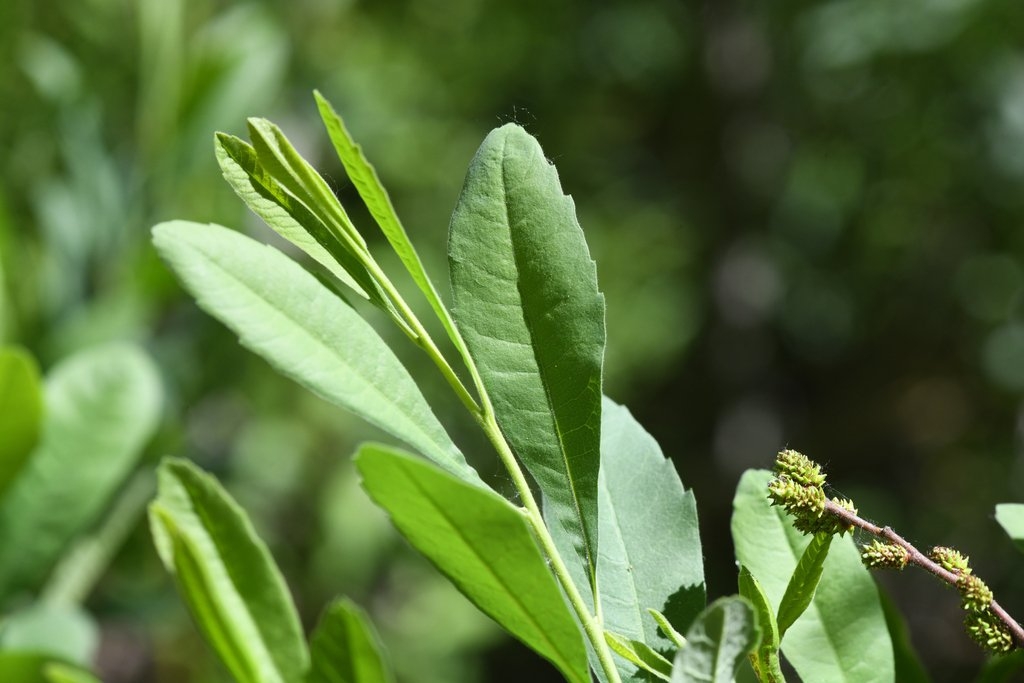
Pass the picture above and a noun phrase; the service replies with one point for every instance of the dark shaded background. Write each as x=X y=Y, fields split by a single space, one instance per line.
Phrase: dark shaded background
x=806 y=216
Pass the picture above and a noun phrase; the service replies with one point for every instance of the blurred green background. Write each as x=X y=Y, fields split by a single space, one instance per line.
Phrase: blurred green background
x=806 y=215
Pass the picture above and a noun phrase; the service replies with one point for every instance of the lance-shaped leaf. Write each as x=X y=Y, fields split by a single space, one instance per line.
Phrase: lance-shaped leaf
x=801 y=587
x=287 y=316
x=717 y=643
x=102 y=405
x=765 y=659
x=280 y=158
x=484 y=545
x=344 y=648
x=843 y=635
x=526 y=300
x=21 y=411
x=371 y=190
x=227 y=577
x=640 y=655
x=285 y=214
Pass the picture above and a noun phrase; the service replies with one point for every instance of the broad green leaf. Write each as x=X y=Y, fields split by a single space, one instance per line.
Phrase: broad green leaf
x=801 y=587
x=484 y=545
x=1011 y=517
x=64 y=632
x=527 y=303
x=102 y=405
x=344 y=648
x=640 y=655
x=371 y=190
x=32 y=667
x=227 y=577
x=287 y=316
x=765 y=658
x=277 y=155
x=908 y=665
x=650 y=544
x=717 y=643
x=21 y=411
x=285 y=214
x=842 y=637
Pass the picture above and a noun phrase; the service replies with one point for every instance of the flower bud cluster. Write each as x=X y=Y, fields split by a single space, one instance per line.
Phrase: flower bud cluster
x=981 y=623
x=798 y=487
x=880 y=555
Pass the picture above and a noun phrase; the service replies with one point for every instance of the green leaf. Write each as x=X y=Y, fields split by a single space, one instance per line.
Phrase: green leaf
x=484 y=545
x=640 y=655
x=371 y=190
x=277 y=155
x=801 y=587
x=287 y=316
x=842 y=637
x=908 y=665
x=32 y=667
x=717 y=643
x=766 y=658
x=650 y=542
x=21 y=411
x=1011 y=517
x=62 y=673
x=344 y=648
x=102 y=405
x=227 y=577
x=64 y=632
x=526 y=300
x=286 y=215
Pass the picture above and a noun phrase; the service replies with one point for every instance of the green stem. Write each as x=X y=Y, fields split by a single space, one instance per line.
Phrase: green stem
x=420 y=336
x=82 y=567
x=591 y=624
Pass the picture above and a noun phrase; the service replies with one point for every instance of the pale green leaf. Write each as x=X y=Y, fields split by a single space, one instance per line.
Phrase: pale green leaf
x=640 y=655
x=285 y=214
x=717 y=643
x=62 y=673
x=766 y=658
x=842 y=637
x=484 y=545
x=102 y=405
x=527 y=303
x=64 y=632
x=803 y=583
x=277 y=155
x=227 y=577
x=59 y=673
x=21 y=411
x=909 y=668
x=287 y=316
x=650 y=543
x=1011 y=517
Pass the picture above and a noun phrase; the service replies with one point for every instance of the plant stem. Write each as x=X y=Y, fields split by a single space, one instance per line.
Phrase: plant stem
x=918 y=558
x=84 y=564
x=591 y=624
